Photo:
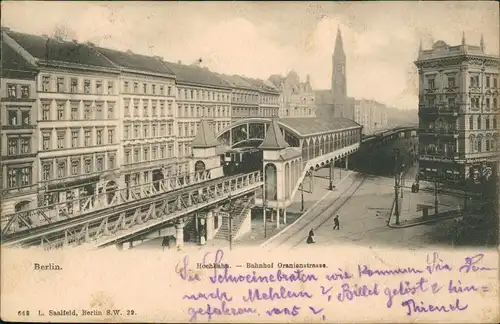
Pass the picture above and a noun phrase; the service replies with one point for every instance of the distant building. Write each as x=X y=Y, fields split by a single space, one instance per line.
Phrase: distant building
x=372 y=115
x=458 y=111
x=297 y=99
x=268 y=96
x=200 y=94
x=244 y=97
x=18 y=135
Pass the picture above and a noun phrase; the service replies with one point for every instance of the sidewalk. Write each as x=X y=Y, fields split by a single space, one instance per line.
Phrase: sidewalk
x=412 y=204
x=319 y=192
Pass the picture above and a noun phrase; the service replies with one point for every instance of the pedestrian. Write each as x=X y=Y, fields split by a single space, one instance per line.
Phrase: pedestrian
x=336 y=222
x=310 y=238
x=164 y=242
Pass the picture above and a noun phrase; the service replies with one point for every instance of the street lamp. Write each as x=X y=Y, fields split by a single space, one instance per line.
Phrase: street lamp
x=396 y=153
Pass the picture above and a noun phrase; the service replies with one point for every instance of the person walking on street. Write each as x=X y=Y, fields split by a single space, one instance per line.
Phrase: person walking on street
x=310 y=238
x=336 y=222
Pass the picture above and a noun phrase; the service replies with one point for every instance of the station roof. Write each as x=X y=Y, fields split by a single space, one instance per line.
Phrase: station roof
x=312 y=126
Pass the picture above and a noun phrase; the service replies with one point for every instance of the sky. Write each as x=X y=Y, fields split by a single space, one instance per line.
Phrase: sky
x=257 y=39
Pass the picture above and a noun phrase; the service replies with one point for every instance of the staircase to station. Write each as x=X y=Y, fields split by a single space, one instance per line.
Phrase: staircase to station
x=239 y=214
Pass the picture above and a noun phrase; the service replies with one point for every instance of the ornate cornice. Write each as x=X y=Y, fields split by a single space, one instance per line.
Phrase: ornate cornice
x=441 y=62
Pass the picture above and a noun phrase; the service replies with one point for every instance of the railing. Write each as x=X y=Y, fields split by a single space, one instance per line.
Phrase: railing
x=121 y=223
x=77 y=207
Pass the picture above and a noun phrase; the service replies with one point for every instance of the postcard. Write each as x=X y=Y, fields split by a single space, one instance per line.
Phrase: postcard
x=249 y=162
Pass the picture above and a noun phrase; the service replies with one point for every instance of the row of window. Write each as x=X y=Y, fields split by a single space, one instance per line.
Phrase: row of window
x=155 y=112
x=269 y=99
x=245 y=97
x=490 y=82
x=134 y=179
x=476 y=144
x=77 y=85
x=98 y=110
x=148 y=152
x=133 y=131
x=490 y=122
x=201 y=111
x=190 y=129
x=146 y=88
x=77 y=165
x=489 y=103
x=191 y=94
x=92 y=136
x=18 y=91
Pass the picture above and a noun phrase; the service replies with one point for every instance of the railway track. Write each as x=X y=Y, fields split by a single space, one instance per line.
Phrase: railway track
x=324 y=214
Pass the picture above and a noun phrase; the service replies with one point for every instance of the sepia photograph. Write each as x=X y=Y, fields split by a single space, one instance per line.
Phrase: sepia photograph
x=163 y=161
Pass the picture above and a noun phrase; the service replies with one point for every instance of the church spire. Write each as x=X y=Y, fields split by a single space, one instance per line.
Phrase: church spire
x=339 y=45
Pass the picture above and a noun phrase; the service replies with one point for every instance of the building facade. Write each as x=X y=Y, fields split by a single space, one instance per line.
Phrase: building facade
x=297 y=99
x=200 y=94
x=244 y=97
x=371 y=114
x=18 y=136
x=147 y=119
x=269 y=97
x=458 y=112
x=77 y=118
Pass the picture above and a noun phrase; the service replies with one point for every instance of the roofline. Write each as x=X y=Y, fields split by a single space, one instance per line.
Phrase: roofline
x=128 y=70
x=69 y=65
x=454 y=56
x=201 y=85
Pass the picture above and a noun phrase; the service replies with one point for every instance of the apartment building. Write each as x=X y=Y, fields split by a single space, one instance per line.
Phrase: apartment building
x=147 y=131
x=18 y=140
x=244 y=97
x=458 y=111
x=77 y=118
x=200 y=94
x=269 y=97
x=370 y=114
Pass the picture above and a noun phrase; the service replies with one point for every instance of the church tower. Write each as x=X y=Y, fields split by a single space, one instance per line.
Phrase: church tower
x=339 y=82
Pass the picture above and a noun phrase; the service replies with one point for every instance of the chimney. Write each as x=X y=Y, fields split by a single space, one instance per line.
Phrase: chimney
x=130 y=52
x=75 y=41
x=179 y=62
x=308 y=78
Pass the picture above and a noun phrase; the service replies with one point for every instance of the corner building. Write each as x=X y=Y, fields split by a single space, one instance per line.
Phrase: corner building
x=77 y=119
x=18 y=116
x=147 y=133
x=458 y=111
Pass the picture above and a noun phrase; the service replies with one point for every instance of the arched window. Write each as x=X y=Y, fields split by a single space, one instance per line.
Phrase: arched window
x=472 y=143
x=471 y=122
x=271 y=182
x=479 y=122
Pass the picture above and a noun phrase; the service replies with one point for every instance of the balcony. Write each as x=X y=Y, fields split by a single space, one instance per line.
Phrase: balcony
x=439 y=132
x=439 y=110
